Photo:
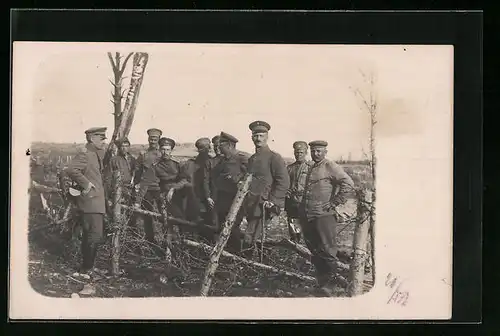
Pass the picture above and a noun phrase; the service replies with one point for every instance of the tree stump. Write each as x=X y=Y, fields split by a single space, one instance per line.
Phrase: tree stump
x=357 y=268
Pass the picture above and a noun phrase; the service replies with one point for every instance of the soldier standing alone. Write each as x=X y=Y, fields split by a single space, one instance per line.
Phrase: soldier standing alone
x=328 y=188
x=269 y=185
x=86 y=172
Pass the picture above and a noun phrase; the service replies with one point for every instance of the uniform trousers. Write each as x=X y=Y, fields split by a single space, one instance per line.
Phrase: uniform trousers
x=92 y=236
x=320 y=236
x=150 y=200
x=223 y=204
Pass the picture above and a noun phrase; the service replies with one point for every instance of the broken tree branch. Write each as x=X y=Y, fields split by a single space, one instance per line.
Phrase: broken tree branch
x=208 y=249
x=224 y=235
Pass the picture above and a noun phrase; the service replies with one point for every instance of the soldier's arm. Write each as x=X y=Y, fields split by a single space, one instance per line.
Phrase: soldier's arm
x=184 y=177
x=207 y=168
x=281 y=179
x=76 y=168
x=344 y=182
x=138 y=168
x=243 y=167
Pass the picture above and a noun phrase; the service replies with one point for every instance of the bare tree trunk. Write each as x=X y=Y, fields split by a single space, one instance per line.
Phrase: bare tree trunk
x=117 y=223
x=357 y=269
x=224 y=236
x=122 y=129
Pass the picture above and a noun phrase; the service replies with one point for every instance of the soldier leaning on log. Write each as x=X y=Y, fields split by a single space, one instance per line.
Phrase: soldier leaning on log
x=226 y=175
x=86 y=172
x=327 y=188
x=269 y=185
x=298 y=173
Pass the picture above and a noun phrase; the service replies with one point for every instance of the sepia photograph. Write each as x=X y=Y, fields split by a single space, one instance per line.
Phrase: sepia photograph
x=243 y=171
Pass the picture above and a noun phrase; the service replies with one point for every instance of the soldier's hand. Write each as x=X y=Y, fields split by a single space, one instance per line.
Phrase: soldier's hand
x=268 y=204
x=170 y=194
x=211 y=202
x=87 y=190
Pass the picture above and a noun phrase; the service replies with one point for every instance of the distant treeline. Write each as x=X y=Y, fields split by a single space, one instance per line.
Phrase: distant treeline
x=53 y=151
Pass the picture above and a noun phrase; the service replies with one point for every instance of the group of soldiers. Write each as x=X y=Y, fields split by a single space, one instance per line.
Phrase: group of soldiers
x=311 y=192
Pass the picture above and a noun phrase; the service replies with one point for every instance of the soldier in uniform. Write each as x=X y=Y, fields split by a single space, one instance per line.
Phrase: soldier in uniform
x=328 y=187
x=208 y=182
x=171 y=177
x=146 y=182
x=269 y=184
x=197 y=202
x=298 y=173
x=227 y=174
x=86 y=172
x=125 y=163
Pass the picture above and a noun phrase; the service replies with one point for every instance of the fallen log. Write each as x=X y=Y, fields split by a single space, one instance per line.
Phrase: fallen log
x=208 y=249
x=174 y=220
x=300 y=250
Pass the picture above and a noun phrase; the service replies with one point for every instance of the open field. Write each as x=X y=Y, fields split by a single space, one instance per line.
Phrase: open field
x=54 y=253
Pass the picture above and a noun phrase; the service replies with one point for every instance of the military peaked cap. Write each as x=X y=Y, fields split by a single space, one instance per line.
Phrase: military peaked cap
x=227 y=137
x=167 y=141
x=299 y=144
x=259 y=127
x=318 y=143
x=97 y=130
x=202 y=143
x=154 y=132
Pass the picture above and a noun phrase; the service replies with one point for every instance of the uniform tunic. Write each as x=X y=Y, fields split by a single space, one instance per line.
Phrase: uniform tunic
x=270 y=183
x=270 y=176
x=327 y=186
x=126 y=165
x=298 y=174
x=145 y=174
x=87 y=167
x=209 y=178
x=226 y=175
x=196 y=169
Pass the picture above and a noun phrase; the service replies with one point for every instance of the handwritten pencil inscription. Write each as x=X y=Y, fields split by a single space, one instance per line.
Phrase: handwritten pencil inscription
x=397 y=296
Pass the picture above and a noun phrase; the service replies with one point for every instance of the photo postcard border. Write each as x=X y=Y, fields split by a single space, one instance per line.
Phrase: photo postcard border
x=460 y=29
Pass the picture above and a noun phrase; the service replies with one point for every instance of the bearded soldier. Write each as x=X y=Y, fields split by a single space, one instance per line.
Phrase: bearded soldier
x=269 y=184
x=328 y=187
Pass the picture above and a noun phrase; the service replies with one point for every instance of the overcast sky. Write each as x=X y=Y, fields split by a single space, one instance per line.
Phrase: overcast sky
x=197 y=90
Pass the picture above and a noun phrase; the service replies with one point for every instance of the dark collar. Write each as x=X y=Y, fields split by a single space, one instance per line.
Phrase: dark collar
x=262 y=149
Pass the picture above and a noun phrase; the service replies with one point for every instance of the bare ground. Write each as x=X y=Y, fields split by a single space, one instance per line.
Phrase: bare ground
x=54 y=257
